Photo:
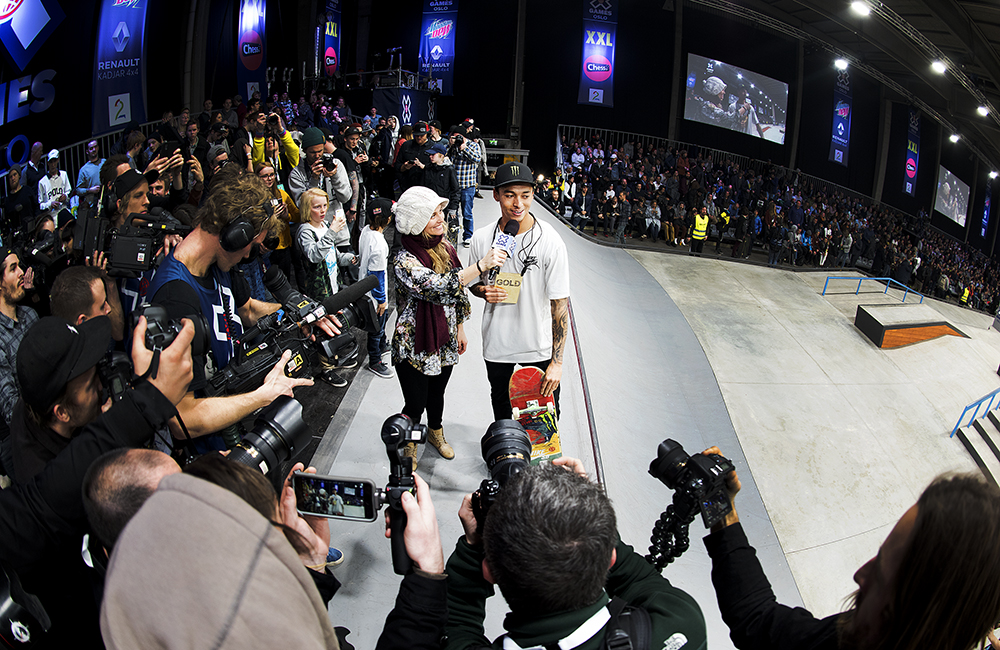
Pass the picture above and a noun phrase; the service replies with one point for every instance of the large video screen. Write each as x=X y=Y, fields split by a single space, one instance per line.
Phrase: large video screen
x=736 y=99
x=952 y=197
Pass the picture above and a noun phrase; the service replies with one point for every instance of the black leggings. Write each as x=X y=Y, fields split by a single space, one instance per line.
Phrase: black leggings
x=422 y=391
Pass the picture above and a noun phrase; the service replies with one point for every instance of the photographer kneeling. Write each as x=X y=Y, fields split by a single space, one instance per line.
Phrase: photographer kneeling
x=933 y=584
x=550 y=542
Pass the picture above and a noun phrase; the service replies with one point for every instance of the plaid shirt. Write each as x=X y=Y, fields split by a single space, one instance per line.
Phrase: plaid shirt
x=466 y=163
x=11 y=333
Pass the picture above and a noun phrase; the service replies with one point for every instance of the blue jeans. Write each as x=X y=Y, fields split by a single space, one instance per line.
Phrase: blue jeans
x=375 y=341
x=468 y=196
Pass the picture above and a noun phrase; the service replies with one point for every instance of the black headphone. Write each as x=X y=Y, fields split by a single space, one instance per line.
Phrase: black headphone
x=240 y=232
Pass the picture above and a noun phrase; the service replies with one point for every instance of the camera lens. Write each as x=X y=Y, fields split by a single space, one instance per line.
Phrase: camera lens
x=669 y=464
x=506 y=449
x=277 y=433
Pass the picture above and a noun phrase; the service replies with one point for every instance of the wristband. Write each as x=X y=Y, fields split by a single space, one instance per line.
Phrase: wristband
x=479 y=268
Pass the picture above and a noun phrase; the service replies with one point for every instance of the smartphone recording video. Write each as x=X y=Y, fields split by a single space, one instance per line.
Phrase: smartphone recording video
x=335 y=497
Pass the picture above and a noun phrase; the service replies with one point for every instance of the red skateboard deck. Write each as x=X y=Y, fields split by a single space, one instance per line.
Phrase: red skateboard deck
x=536 y=413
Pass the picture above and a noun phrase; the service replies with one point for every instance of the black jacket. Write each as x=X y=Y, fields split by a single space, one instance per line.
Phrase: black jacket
x=444 y=181
x=755 y=619
x=410 y=151
x=49 y=509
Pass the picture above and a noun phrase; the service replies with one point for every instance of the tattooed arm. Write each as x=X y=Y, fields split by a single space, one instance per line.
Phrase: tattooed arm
x=560 y=328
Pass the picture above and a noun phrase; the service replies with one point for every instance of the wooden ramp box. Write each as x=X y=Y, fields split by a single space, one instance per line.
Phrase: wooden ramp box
x=893 y=326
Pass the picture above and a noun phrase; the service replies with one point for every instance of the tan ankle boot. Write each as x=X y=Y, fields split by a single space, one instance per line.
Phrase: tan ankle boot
x=436 y=438
x=411 y=452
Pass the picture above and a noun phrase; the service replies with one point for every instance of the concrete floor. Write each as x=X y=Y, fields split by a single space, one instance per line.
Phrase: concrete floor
x=832 y=437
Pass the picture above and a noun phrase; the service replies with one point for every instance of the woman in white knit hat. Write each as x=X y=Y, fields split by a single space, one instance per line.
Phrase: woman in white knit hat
x=433 y=305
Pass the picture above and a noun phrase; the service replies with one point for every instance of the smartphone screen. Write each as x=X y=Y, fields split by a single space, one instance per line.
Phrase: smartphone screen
x=335 y=497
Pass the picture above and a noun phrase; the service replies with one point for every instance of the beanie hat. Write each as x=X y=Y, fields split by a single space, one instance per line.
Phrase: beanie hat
x=312 y=137
x=414 y=209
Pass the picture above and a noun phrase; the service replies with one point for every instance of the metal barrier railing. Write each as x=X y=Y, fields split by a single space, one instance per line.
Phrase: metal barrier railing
x=977 y=404
x=888 y=283
x=72 y=157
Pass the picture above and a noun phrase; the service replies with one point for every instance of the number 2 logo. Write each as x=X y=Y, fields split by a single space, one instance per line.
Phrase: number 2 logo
x=120 y=105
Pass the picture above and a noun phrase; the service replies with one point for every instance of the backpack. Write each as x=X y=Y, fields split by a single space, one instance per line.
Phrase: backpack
x=629 y=627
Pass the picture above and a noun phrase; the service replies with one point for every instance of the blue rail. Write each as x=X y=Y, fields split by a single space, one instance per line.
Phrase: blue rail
x=977 y=404
x=888 y=283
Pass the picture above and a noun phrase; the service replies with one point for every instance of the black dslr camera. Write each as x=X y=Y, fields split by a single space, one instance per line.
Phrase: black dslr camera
x=507 y=452
x=115 y=369
x=699 y=483
x=329 y=162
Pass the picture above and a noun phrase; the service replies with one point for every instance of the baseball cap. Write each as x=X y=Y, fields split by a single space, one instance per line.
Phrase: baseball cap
x=435 y=124
x=130 y=179
x=420 y=128
x=220 y=126
x=511 y=173
x=438 y=147
x=53 y=353
x=352 y=130
x=377 y=207
x=53 y=155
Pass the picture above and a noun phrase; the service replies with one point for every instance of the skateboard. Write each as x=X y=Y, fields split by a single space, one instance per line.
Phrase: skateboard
x=537 y=414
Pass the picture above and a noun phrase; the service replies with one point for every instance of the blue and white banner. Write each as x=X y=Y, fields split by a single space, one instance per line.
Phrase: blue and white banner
x=120 y=65
x=251 y=60
x=437 y=42
x=913 y=155
x=841 y=139
x=986 y=207
x=597 y=67
x=331 y=42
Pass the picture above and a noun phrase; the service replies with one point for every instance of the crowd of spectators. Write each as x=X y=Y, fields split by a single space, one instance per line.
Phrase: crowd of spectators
x=191 y=549
x=654 y=194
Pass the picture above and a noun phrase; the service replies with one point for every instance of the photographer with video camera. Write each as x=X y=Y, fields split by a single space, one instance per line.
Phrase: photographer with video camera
x=44 y=518
x=195 y=278
x=550 y=542
x=933 y=583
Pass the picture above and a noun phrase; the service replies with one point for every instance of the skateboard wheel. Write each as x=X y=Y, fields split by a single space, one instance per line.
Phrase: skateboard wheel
x=515 y=414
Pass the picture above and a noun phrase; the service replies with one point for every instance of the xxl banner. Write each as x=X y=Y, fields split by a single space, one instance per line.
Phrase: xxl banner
x=331 y=42
x=597 y=67
x=120 y=65
x=437 y=42
x=913 y=154
x=410 y=106
x=841 y=139
x=251 y=60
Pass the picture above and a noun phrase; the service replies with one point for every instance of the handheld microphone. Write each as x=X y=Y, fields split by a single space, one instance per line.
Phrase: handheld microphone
x=504 y=240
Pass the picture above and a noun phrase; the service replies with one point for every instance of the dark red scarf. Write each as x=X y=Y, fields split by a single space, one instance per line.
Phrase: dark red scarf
x=431 y=323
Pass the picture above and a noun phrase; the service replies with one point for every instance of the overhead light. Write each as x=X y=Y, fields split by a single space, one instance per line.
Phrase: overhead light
x=840 y=64
x=993 y=174
x=954 y=137
x=938 y=66
x=982 y=110
x=861 y=8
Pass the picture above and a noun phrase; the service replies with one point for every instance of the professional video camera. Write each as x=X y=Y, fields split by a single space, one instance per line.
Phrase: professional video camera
x=115 y=369
x=699 y=483
x=278 y=431
x=130 y=249
x=507 y=452
x=358 y=499
x=280 y=331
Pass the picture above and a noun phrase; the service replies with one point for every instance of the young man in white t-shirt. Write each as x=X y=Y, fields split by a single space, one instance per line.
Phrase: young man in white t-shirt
x=533 y=330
